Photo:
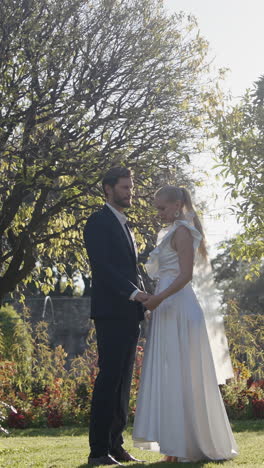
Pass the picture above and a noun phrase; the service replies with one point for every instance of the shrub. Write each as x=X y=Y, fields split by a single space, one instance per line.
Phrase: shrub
x=5 y=411
x=17 y=344
x=17 y=420
x=242 y=393
x=258 y=408
x=136 y=378
x=57 y=396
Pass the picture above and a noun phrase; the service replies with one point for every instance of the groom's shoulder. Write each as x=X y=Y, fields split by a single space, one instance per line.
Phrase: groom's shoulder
x=97 y=217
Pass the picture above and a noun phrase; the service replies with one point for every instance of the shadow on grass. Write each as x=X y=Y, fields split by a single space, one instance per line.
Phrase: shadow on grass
x=251 y=425
x=163 y=465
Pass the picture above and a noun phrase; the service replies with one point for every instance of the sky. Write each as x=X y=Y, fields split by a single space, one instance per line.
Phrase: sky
x=235 y=32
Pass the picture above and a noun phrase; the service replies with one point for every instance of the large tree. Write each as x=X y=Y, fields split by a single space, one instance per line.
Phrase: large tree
x=86 y=84
x=241 y=150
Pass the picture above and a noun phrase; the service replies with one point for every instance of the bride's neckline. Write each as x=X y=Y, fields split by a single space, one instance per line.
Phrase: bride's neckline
x=165 y=232
x=176 y=222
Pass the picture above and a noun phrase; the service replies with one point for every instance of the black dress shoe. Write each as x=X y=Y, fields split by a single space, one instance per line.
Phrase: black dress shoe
x=104 y=460
x=124 y=456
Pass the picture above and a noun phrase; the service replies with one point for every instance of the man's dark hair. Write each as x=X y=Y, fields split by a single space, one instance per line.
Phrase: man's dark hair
x=113 y=175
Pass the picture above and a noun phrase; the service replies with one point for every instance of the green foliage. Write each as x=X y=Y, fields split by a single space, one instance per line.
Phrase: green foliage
x=4 y=411
x=85 y=86
x=17 y=344
x=243 y=309
x=1 y=342
x=245 y=333
x=241 y=146
x=243 y=397
x=48 y=364
x=4 y=407
x=136 y=379
x=9 y=319
x=232 y=279
x=57 y=396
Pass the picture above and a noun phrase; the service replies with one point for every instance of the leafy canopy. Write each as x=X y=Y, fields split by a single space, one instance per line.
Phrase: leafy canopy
x=84 y=85
x=241 y=149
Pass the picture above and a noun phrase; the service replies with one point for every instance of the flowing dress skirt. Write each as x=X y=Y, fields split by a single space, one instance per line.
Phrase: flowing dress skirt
x=180 y=411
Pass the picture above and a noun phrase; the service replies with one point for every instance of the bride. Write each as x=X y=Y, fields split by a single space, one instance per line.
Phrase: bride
x=180 y=411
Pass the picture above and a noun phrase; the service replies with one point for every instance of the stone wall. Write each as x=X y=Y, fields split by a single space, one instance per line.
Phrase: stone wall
x=68 y=318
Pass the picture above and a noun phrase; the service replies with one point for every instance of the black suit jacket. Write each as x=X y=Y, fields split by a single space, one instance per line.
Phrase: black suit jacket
x=114 y=268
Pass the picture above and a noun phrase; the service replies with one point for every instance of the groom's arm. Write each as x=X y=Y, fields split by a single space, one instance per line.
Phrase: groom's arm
x=96 y=237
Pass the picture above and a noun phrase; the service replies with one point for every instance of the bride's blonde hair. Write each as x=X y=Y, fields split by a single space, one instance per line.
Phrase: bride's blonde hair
x=171 y=194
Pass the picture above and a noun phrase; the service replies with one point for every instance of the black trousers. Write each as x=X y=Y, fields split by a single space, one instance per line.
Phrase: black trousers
x=116 y=342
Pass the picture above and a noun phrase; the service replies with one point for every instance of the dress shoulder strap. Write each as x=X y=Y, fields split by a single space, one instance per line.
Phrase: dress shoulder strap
x=166 y=234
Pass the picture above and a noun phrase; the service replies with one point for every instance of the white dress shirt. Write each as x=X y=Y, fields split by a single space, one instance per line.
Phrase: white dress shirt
x=123 y=219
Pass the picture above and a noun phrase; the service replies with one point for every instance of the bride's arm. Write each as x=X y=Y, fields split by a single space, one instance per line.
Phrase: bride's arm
x=182 y=242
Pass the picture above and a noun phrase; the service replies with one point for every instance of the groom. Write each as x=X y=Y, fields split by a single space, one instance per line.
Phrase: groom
x=117 y=309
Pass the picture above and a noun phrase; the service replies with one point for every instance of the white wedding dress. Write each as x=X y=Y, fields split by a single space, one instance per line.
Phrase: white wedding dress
x=180 y=411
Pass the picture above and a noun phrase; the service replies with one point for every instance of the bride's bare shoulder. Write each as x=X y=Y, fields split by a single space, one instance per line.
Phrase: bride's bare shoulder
x=181 y=237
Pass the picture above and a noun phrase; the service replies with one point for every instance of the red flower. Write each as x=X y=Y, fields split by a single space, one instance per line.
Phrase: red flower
x=16 y=420
x=54 y=418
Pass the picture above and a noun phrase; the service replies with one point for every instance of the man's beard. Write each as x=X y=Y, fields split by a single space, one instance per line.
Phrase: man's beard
x=122 y=202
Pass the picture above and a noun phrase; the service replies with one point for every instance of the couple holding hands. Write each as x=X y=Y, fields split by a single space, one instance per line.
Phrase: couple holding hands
x=180 y=411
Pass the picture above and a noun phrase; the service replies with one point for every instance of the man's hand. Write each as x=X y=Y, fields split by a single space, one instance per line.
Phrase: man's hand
x=141 y=296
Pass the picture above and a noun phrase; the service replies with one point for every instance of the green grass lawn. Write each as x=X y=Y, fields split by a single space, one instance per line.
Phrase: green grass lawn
x=68 y=448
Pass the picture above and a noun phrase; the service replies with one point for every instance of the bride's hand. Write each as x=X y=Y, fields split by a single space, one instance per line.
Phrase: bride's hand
x=152 y=302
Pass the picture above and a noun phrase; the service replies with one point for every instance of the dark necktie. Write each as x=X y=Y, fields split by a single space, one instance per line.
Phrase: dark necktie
x=130 y=238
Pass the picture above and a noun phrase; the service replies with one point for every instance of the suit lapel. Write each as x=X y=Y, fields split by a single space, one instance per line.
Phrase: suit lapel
x=120 y=231
x=131 y=237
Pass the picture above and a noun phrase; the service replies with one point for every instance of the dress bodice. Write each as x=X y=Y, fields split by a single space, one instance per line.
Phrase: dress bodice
x=164 y=260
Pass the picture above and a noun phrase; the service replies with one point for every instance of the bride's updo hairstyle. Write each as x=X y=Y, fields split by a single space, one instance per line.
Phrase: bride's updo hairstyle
x=170 y=193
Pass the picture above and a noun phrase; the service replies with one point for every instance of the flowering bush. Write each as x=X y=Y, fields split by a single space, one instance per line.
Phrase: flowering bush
x=258 y=408
x=53 y=396
x=242 y=396
x=5 y=409
x=136 y=378
x=17 y=420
